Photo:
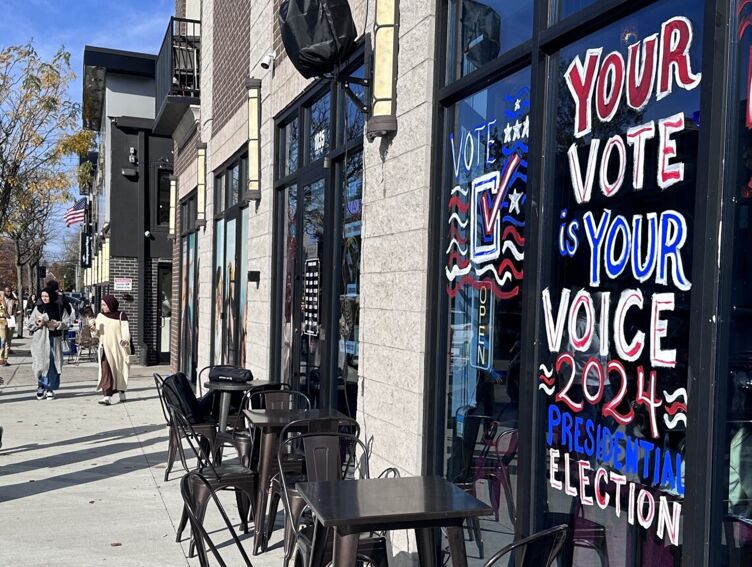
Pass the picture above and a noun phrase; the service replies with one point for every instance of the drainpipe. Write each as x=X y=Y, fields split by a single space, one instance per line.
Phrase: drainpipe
x=143 y=248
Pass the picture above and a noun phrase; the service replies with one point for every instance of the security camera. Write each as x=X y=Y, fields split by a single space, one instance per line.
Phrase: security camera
x=268 y=60
x=147 y=234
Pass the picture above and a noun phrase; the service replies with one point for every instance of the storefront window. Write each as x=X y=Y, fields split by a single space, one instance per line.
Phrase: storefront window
x=616 y=311
x=564 y=8
x=737 y=484
x=353 y=119
x=219 y=291
x=289 y=256
x=188 y=295
x=290 y=147
x=230 y=265
x=319 y=128
x=481 y=30
x=349 y=291
x=484 y=248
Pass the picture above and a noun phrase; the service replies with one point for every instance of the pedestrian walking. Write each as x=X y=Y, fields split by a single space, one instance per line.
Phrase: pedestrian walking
x=47 y=324
x=3 y=331
x=111 y=326
x=11 y=310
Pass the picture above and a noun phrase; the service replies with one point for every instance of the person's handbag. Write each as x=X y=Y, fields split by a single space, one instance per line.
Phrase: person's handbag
x=129 y=356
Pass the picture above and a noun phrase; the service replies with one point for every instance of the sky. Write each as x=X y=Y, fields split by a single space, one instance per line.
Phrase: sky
x=133 y=25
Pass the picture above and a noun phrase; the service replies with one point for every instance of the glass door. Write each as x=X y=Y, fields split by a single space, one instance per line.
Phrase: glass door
x=303 y=334
x=164 y=292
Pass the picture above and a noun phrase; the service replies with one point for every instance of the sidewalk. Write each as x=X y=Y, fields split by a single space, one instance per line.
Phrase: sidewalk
x=82 y=484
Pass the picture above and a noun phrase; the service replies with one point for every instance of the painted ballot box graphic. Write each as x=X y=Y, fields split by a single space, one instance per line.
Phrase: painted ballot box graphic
x=616 y=312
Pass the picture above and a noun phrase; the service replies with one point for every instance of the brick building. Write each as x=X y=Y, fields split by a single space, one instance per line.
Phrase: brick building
x=128 y=203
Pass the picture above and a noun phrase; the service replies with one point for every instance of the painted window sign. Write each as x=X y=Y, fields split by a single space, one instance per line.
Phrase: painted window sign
x=484 y=190
x=486 y=220
x=616 y=313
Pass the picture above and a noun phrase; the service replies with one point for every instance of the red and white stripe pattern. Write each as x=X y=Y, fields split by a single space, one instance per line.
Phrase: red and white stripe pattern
x=76 y=213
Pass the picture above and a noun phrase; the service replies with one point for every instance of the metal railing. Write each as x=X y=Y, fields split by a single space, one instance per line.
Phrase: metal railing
x=179 y=63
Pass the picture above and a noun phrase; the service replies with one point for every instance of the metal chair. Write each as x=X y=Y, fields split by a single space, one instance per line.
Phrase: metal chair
x=294 y=472
x=241 y=438
x=235 y=476
x=206 y=429
x=538 y=550
x=278 y=400
x=327 y=456
x=472 y=467
x=189 y=487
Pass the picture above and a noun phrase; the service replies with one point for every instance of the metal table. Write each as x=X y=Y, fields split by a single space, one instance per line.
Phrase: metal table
x=409 y=503
x=270 y=424
x=225 y=390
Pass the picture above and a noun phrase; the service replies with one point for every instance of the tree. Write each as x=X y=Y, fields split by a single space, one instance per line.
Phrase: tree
x=38 y=128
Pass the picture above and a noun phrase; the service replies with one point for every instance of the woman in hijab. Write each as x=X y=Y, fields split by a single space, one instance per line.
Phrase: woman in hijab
x=47 y=324
x=111 y=325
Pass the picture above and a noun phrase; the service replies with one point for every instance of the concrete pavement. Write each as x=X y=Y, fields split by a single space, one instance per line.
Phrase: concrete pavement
x=82 y=484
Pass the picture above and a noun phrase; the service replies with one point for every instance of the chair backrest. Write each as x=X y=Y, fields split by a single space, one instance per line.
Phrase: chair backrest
x=345 y=425
x=177 y=391
x=279 y=400
x=327 y=456
x=538 y=550
x=159 y=383
x=197 y=528
x=282 y=386
x=184 y=431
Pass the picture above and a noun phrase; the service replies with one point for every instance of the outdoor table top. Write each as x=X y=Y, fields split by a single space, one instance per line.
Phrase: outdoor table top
x=389 y=503
x=227 y=386
x=271 y=419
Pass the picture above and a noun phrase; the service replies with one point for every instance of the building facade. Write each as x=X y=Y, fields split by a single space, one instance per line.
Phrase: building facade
x=127 y=252
x=535 y=287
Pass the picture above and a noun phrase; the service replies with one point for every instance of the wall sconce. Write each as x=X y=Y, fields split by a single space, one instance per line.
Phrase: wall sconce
x=253 y=189
x=173 y=199
x=132 y=155
x=201 y=184
x=383 y=119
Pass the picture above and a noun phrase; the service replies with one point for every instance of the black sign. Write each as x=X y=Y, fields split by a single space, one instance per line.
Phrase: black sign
x=311 y=298
x=85 y=248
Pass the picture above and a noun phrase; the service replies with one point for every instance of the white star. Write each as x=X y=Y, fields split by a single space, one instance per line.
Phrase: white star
x=526 y=127
x=517 y=104
x=517 y=126
x=514 y=201
x=507 y=134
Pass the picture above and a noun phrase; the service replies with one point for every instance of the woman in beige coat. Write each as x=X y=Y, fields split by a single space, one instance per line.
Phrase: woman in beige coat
x=111 y=326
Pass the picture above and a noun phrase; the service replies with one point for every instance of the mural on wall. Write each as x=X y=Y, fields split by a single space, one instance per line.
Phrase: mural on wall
x=486 y=220
x=621 y=327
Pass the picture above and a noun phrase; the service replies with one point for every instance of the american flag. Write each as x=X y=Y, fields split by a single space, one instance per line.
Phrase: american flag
x=76 y=213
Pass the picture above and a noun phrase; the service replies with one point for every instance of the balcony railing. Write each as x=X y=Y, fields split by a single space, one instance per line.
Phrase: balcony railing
x=178 y=74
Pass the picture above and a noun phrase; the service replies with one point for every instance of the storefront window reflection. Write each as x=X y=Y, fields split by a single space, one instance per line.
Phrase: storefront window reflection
x=349 y=289
x=481 y=30
x=564 y=8
x=616 y=311
x=487 y=147
x=737 y=506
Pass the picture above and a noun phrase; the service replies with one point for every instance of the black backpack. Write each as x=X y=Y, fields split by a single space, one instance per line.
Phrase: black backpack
x=178 y=392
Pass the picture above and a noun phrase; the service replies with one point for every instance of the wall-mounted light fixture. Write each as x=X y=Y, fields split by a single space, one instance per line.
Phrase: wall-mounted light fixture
x=383 y=119
x=173 y=205
x=201 y=184
x=253 y=189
